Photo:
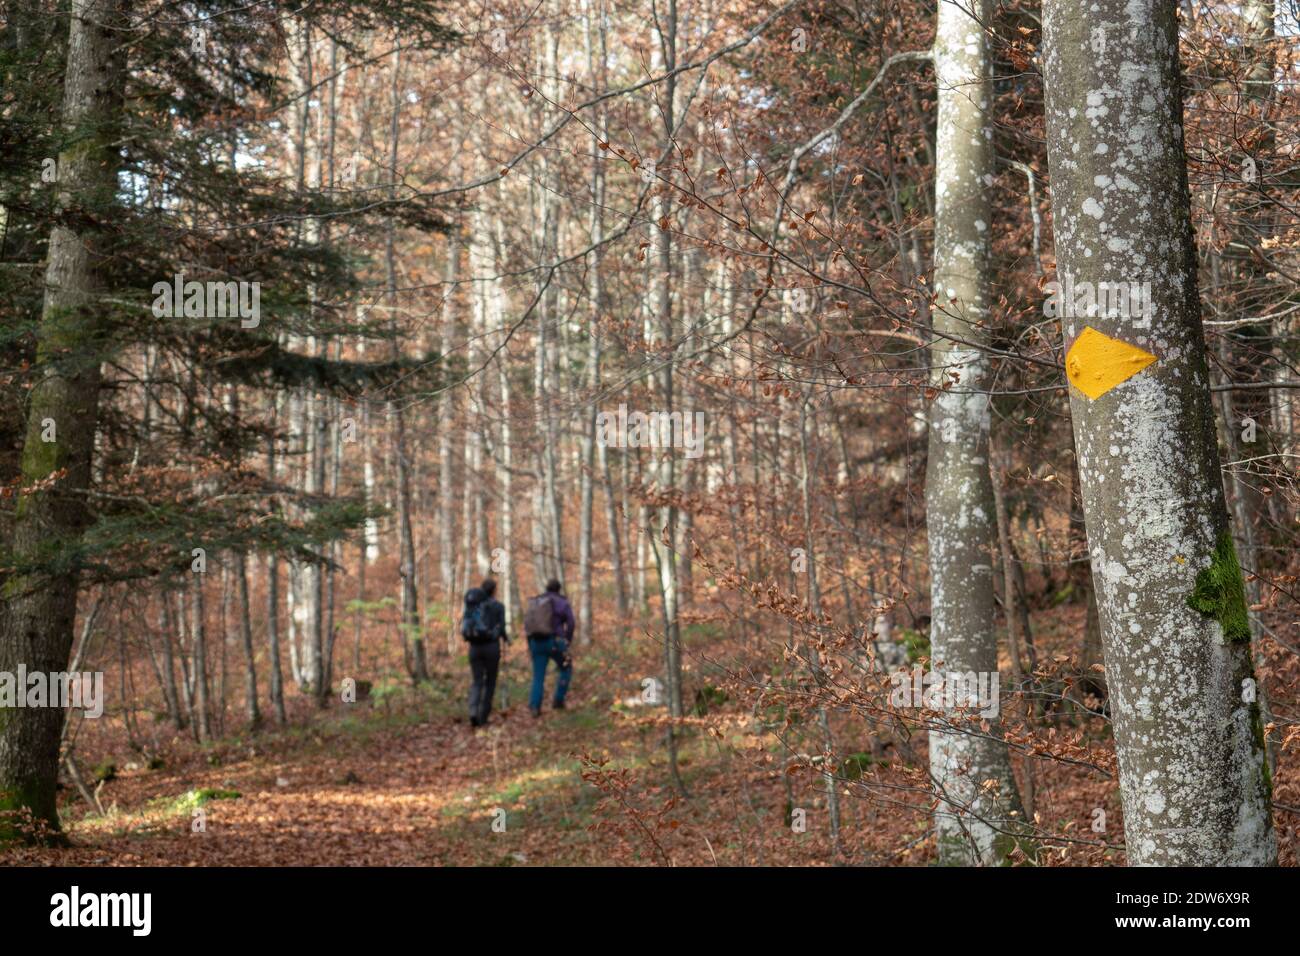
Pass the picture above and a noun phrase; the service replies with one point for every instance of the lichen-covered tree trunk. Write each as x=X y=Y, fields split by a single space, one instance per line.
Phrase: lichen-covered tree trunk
x=974 y=823
x=40 y=599
x=1175 y=635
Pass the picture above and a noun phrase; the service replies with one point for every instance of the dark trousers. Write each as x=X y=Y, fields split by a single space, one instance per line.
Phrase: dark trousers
x=484 y=661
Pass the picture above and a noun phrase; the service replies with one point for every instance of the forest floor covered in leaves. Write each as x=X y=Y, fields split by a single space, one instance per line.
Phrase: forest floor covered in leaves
x=400 y=778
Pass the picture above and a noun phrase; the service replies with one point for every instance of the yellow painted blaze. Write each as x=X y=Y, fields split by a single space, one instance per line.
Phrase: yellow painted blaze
x=1096 y=363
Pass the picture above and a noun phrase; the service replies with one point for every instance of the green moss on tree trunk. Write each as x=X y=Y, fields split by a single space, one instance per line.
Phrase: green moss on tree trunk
x=1220 y=594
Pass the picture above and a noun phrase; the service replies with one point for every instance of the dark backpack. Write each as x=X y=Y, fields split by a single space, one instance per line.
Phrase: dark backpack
x=473 y=627
x=539 y=618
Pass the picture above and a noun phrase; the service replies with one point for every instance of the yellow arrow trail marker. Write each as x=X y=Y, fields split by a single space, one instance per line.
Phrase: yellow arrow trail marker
x=1096 y=363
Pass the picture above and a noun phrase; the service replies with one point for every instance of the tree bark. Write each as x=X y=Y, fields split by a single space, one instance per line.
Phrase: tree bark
x=412 y=632
x=1175 y=635
x=40 y=599
x=246 y=634
x=167 y=667
x=587 y=474
x=276 y=688
x=829 y=768
x=199 y=664
x=974 y=823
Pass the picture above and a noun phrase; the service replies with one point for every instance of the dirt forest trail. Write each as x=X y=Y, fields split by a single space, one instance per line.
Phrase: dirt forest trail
x=405 y=782
x=402 y=779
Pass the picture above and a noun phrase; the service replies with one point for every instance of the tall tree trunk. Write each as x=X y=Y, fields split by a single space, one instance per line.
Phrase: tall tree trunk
x=187 y=681
x=296 y=615
x=40 y=602
x=171 y=696
x=412 y=632
x=1013 y=604
x=663 y=533
x=330 y=422
x=446 y=512
x=1175 y=633
x=223 y=628
x=829 y=769
x=199 y=666
x=1245 y=500
x=509 y=578
x=615 y=546
x=246 y=634
x=370 y=534
x=974 y=822
x=276 y=681
x=550 y=512
x=587 y=473
x=245 y=607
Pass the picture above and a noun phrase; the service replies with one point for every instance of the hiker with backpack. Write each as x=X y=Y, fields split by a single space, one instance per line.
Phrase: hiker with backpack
x=483 y=626
x=549 y=623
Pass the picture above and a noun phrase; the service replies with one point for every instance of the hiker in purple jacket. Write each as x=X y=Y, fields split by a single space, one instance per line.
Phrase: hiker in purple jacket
x=549 y=624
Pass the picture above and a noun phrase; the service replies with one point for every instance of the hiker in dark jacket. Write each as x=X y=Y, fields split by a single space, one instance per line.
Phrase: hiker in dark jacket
x=484 y=628
x=549 y=624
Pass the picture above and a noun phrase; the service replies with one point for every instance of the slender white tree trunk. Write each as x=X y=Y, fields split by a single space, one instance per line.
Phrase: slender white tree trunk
x=974 y=822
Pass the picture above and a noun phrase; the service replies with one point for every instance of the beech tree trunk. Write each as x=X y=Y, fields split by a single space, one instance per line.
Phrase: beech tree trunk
x=975 y=823
x=1174 y=626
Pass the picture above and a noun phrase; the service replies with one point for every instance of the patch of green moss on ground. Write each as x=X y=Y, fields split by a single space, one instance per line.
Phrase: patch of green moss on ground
x=1220 y=593
x=193 y=799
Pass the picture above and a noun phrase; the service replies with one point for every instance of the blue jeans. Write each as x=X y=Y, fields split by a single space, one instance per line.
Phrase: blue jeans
x=545 y=649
